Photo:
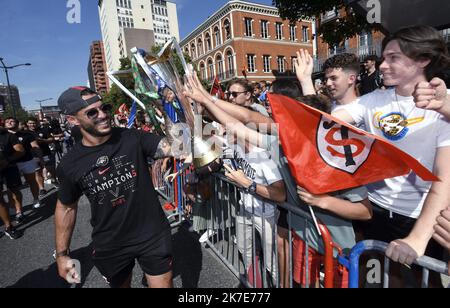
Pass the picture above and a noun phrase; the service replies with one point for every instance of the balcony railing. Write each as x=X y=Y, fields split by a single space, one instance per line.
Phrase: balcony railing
x=361 y=52
x=330 y=15
x=227 y=75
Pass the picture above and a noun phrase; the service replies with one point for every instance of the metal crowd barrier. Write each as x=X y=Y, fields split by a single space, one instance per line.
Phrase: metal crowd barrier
x=220 y=215
x=352 y=263
x=223 y=221
x=171 y=192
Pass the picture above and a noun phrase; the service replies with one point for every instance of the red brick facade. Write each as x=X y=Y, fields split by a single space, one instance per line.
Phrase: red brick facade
x=233 y=41
x=98 y=64
x=362 y=45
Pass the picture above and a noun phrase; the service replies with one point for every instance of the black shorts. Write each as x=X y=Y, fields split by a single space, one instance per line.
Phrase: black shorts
x=386 y=229
x=283 y=218
x=11 y=177
x=153 y=256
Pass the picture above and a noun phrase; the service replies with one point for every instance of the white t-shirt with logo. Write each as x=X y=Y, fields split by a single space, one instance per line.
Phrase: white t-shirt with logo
x=416 y=131
x=259 y=167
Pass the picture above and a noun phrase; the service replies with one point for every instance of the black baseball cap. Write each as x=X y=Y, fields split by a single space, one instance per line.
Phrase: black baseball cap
x=70 y=102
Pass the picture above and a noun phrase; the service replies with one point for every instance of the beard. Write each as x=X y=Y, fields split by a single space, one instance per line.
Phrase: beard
x=92 y=130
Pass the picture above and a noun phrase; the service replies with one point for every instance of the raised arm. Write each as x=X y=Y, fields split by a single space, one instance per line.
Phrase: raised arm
x=232 y=124
x=240 y=113
x=304 y=65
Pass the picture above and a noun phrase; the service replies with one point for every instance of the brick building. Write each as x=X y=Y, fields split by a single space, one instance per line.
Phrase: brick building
x=250 y=40
x=363 y=44
x=97 y=68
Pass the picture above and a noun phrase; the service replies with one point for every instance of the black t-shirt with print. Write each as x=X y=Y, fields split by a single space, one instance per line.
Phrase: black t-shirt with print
x=43 y=133
x=115 y=178
x=25 y=138
x=7 y=143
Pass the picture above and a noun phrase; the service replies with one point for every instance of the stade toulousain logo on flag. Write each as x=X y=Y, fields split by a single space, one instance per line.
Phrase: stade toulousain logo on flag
x=329 y=155
x=341 y=147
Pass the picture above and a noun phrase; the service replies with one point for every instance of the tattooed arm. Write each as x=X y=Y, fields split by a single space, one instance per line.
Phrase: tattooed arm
x=172 y=144
x=164 y=149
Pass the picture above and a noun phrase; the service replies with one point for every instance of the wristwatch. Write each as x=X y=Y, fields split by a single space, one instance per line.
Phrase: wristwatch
x=252 y=188
x=63 y=253
x=214 y=99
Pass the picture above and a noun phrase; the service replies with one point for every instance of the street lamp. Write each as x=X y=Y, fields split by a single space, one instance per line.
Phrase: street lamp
x=43 y=100
x=40 y=104
x=6 y=68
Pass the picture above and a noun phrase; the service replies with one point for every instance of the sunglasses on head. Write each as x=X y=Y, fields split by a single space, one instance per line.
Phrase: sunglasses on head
x=93 y=113
x=236 y=94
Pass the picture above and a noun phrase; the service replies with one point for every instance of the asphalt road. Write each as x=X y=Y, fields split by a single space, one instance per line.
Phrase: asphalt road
x=28 y=262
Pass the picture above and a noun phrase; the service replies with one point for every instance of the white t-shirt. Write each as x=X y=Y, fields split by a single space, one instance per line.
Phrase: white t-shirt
x=335 y=106
x=420 y=134
x=258 y=166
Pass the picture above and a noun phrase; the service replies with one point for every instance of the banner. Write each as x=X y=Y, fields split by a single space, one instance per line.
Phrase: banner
x=326 y=154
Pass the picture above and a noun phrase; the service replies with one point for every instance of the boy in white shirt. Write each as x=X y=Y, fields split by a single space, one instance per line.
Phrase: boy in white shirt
x=413 y=115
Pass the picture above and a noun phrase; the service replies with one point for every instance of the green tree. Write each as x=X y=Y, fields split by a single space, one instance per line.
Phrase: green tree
x=116 y=96
x=177 y=61
x=21 y=114
x=333 y=32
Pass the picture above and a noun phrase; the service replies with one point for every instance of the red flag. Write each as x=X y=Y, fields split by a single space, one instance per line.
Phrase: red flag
x=123 y=110
x=216 y=89
x=326 y=154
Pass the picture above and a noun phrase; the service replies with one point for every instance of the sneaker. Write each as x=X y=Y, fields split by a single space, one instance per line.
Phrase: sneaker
x=205 y=236
x=12 y=233
x=42 y=193
x=36 y=204
x=19 y=218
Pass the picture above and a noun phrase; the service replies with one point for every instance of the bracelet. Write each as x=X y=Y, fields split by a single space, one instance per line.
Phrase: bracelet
x=63 y=253
x=214 y=99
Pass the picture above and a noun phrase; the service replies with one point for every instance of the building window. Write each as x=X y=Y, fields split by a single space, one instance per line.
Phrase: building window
x=266 y=60
x=230 y=60
x=248 y=27
x=200 y=47
x=227 y=27
x=203 y=71
x=365 y=43
x=292 y=34
x=264 y=29
x=279 y=30
x=208 y=42
x=281 y=66
x=305 y=34
x=193 y=53
x=216 y=36
x=293 y=60
x=365 y=39
x=220 y=67
x=251 y=63
x=211 y=69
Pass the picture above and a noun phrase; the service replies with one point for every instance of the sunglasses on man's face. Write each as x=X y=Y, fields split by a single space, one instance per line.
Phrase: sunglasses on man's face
x=93 y=113
x=236 y=94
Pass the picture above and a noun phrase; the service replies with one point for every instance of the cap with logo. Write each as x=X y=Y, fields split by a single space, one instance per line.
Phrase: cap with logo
x=70 y=102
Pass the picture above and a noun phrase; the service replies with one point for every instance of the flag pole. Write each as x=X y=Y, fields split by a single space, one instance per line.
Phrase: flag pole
x=314 y=219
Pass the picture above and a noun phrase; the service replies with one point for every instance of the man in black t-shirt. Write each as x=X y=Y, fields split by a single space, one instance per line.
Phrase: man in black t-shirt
x=30 y=163
x=10 y=151
x=371 y=79
x=109 y=166
x=44 y=138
